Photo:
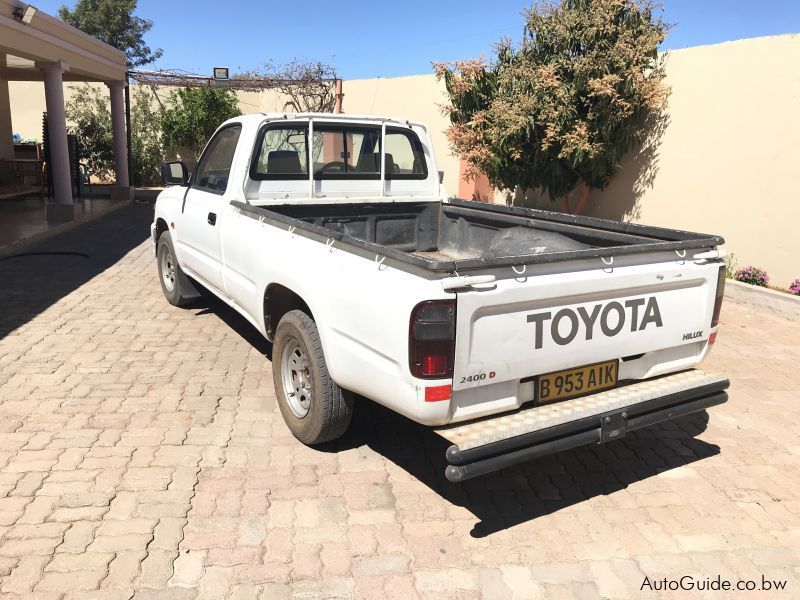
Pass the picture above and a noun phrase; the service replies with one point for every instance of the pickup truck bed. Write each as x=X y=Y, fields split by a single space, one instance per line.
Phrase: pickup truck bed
x=463 y=235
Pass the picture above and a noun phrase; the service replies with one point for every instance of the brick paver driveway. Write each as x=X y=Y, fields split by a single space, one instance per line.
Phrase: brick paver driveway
x=142 y=455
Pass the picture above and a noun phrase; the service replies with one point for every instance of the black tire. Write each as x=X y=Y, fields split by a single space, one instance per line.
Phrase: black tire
x=171 y=275
x=328 y=407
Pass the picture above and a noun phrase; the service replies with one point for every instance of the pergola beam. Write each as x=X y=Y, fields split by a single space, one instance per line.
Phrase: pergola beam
x=179 y=79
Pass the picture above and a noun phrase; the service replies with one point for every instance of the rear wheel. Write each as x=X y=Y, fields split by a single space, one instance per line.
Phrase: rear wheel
x=315 y=409
x=174 y=283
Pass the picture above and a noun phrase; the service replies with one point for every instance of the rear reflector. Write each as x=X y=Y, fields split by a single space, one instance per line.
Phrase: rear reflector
x=437 y=393
x=720 y=294
x=712 y=338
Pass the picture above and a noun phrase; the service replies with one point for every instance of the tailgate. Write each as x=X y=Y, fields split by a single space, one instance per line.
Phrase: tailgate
x=522 y=327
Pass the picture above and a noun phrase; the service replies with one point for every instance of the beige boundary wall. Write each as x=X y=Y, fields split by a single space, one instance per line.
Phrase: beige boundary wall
x=728 y=161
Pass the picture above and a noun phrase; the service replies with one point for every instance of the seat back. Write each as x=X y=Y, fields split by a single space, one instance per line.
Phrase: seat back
x=284 y=162
x=368 y=163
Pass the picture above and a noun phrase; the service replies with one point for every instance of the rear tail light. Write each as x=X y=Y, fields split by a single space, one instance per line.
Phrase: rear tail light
x=718 y=300
x=432 y=338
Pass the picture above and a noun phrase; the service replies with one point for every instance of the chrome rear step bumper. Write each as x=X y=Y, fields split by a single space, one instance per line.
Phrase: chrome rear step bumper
x=496 y=442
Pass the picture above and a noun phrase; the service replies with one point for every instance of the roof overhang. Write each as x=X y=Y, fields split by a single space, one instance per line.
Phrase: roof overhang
x=49 y=40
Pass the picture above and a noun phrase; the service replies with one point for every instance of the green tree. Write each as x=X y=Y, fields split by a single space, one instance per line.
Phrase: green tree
x=113 y=22
x=559 y=110
x=147 y=148
x=89 y=115
x=191 y=115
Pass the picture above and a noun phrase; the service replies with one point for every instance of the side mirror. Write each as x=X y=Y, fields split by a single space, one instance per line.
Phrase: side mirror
x=174 y=173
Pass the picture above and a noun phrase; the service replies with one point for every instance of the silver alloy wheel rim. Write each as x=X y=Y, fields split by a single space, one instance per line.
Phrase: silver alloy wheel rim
x=296 y=376
x=168 y=270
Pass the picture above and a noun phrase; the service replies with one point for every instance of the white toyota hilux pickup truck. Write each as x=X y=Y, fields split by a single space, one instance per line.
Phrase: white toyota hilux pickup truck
x=514 y=332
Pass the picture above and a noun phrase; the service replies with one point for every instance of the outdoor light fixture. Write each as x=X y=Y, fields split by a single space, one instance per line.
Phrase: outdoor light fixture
x=25 y=14
x=220 y=72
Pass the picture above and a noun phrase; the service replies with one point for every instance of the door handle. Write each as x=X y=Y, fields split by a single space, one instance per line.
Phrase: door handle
x=212 y=218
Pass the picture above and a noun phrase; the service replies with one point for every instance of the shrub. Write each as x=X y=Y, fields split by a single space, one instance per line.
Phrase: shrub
x=192 y=115
x=753 y=276
x=731 y=265
x=561 y=108
x=794 y=287
x=89 y=115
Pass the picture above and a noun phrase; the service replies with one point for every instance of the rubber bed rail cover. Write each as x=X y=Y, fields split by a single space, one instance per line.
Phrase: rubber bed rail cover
x=487 y=430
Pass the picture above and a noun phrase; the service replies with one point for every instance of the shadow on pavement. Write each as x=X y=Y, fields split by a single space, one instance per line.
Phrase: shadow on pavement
x=518 y=494
x=208 y=303
x=41 y=274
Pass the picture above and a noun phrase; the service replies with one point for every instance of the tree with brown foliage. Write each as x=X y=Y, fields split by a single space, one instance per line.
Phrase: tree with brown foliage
x=559 y=110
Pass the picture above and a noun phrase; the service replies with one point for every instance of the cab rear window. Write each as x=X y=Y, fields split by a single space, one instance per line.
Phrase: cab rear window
x=338 y=151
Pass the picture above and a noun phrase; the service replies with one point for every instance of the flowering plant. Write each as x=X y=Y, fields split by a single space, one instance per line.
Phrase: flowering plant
x=752 y=275
x=794 y=287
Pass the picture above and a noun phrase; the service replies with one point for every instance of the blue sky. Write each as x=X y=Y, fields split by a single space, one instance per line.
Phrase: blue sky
x=380 y=38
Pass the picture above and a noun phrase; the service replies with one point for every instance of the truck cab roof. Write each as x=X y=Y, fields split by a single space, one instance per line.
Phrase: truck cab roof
x=262 y=117
x=331 y=158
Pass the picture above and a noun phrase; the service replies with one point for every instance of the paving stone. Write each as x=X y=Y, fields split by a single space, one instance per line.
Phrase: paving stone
x=84 y=579
x=445 y=580
x=187 y=569
x=29 y=546
x=67 y=563
x=132 y=431
x=123 y=569
x=157 y=568
x=125 y=527
x=78 y=537
x=40 y=530
x=329 y=588
x=117 y=543
x=7 y=563
x=25 y=575
x=80 y=513
x=168 y=533
x=380 y=565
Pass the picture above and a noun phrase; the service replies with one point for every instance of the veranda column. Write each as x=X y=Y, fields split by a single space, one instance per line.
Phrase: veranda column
x=117 y=94
x=61 y=207
x=6 y=144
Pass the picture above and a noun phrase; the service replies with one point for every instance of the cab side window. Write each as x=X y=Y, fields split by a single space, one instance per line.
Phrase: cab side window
x=405 y=158
x=214 y=167
x=281 y=153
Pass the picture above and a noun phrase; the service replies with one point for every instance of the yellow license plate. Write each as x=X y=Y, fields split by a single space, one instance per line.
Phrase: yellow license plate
x=576 y=382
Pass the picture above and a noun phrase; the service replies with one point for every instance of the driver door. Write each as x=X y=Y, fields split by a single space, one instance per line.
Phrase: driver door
x=198 y=235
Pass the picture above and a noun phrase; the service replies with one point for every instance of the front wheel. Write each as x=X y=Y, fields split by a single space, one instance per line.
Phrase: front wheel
x=175 y=285
x=315 y=409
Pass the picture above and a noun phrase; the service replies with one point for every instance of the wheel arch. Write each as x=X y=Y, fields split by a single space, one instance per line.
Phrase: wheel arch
x=278 y=300
x=161 y=227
